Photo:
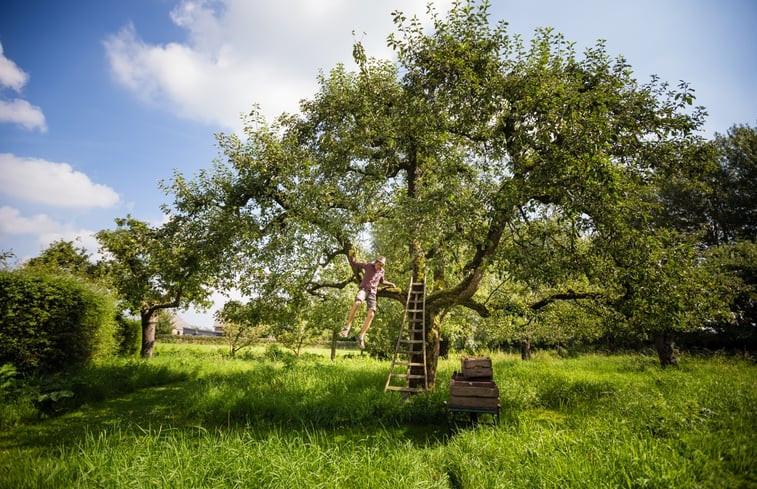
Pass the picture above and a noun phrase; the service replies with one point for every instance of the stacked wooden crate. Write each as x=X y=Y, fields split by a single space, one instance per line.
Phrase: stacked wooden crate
x=473 y=390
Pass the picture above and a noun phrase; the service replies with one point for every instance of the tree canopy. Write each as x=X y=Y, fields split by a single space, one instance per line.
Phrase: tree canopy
x=473 y=160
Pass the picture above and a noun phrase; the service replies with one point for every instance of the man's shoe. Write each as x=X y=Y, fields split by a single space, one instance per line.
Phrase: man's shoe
x=361 y=339
x=345 y=332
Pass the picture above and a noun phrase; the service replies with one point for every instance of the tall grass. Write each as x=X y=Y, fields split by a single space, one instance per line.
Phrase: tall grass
x=269 y=420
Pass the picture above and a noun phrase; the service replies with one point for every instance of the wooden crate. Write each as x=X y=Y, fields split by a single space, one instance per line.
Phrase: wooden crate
x=473 y=389
x=476 y=367
x=473 y=402
x=473 y=394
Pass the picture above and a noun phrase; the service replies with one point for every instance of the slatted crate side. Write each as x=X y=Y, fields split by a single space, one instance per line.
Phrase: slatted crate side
x=473 y=402
x=476 y=367
x=463 y=389
x=458 y=377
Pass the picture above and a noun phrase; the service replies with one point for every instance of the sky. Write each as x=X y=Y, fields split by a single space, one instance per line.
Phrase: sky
x=101 y=100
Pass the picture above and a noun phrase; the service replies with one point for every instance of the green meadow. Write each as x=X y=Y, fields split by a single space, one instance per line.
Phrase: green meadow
x=192 y=417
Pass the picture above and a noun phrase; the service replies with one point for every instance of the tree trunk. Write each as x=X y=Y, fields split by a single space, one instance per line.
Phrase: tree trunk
x=333 y=345
x=665 y=347
x=525 y=349
x=149 y=323
x=433 y=336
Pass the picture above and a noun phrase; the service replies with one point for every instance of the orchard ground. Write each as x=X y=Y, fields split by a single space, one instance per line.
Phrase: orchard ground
x=193 y=417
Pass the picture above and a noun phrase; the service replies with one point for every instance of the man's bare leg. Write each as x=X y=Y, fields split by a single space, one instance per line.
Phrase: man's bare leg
x=366 y=325
x=350 y=317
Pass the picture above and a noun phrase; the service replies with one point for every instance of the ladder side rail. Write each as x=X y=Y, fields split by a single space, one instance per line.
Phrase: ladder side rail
x=423 y=329
x=399 y=336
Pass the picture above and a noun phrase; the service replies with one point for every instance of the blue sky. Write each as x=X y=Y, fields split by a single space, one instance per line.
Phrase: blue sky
x=102 y=99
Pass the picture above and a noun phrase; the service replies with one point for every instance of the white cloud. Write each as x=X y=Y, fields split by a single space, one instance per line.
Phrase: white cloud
x=12 y=222
x=46 y=182
x=81 y=237
x=20 y=111
x=10 y=74
x=46 y=230
x=240 y=52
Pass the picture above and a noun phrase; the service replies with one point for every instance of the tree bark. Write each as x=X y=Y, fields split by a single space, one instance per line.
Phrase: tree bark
x=525 y=349
x=149 y=323
x=333 y=345
x=665 y=347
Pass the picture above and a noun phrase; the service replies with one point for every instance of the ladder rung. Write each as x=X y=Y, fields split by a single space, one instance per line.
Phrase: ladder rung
x=407 y=376
x=408 y=364
x=412 y=341
x=415 y=310
x=404 y=389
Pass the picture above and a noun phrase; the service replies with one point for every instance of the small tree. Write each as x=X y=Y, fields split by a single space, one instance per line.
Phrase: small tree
x=290 y=321
x=164 y=324
x=155 y=268
x=243 y=324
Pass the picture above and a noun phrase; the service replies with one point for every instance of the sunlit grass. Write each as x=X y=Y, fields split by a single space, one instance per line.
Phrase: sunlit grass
x=193 y=417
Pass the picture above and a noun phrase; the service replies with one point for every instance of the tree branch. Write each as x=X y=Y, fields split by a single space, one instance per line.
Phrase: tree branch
x=481 y=309
x=313 y=287
x=475 y=268
x=569 y=295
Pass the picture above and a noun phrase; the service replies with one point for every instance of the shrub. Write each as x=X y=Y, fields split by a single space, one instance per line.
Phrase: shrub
x=15 y=398
x=128 y=335
x=52 y=322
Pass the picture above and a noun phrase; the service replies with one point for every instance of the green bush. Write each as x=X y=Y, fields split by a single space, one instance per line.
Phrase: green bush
x=128 y=335
x=52 y=322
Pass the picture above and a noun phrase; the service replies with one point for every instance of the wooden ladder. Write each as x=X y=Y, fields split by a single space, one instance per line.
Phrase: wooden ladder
x=410 y=353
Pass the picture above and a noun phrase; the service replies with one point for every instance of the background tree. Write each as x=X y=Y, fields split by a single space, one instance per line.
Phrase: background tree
x=156 y=268
x=442 y=159
x=243 y=324
x=734 y=206
x=164 y=322
x=294 y=322
x=715 y=194
x=714 y=202
x=5 y=258
x=65 y=256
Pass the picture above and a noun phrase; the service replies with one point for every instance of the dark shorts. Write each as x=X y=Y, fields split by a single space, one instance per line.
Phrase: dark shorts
x=367 y=296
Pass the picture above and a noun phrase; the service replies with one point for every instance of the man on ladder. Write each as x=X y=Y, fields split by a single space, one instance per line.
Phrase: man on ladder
x=373 y=276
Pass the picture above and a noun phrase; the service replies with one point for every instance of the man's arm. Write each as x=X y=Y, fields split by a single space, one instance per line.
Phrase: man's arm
x=354 y=263
x=389 y=284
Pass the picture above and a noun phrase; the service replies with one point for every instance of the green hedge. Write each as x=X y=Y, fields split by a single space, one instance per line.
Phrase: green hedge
x=128 y=335
x=52 y=322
